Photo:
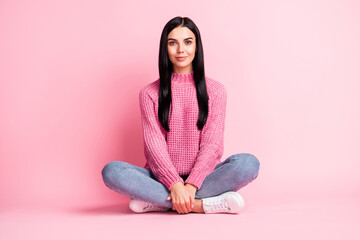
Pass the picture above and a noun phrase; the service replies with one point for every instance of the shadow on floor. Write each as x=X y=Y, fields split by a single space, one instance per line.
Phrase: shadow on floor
x=121 y=208
x=114 y=209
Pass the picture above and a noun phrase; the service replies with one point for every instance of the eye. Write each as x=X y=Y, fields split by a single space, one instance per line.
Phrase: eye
x=170 y=43
x=188 y=42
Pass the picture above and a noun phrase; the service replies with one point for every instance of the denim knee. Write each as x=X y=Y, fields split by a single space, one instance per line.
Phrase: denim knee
x=111 y=170
x=247 y=164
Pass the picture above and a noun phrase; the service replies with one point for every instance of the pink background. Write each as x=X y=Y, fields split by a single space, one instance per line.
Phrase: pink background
x=71 y=71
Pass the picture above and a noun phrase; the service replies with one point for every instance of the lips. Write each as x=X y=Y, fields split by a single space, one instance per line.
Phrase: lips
x=181 y=58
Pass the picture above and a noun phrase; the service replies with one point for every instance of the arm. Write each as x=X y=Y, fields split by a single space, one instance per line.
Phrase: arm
x=155 y=144
x=211 y=141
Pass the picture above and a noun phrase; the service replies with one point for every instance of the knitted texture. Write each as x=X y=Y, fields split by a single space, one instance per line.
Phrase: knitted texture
x=184 y=149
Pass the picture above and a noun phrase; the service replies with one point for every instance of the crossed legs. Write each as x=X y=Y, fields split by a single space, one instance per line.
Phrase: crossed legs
x=232 y=174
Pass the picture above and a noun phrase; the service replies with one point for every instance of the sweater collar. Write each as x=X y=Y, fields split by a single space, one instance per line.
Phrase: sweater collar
x=182 y=77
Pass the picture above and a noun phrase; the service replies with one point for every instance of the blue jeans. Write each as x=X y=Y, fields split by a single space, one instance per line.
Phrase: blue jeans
x=140 y=183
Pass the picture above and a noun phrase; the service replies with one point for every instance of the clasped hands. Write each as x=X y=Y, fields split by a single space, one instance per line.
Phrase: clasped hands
x=182 y=196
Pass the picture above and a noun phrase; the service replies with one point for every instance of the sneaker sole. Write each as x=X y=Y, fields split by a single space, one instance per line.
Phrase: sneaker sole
x=239 y=202
x=133 y=206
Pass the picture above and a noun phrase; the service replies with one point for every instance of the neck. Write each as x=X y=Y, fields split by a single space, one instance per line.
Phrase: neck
x=182 y=77
x=187 y=69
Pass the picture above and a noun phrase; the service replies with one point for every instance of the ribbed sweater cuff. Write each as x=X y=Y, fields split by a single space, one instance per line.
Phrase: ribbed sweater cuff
x=196 y=178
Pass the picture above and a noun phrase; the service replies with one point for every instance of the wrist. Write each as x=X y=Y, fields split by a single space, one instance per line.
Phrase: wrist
x=176 y=185
x=191 y=185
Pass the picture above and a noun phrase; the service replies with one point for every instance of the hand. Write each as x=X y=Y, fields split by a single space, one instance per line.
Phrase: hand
x=181 y=198
x=192 y=190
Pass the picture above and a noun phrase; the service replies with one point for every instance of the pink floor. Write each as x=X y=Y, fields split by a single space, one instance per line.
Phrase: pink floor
x=295 y=217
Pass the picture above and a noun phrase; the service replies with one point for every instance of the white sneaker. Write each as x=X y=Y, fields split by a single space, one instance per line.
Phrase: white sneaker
x=228 y=202
x=140 y=206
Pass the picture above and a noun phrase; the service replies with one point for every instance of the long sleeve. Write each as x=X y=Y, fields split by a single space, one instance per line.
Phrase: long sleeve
x=155 y=145
x=211 y=140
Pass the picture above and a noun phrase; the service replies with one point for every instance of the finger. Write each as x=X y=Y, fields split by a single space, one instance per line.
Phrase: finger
x=191 y=199
x=192 y=202
x=185 y=210
x=172 y=199
x=173 y=206
x=189 y=204
x=176 y=208
x=183 y=206
x=180 y=206
x=176 y=205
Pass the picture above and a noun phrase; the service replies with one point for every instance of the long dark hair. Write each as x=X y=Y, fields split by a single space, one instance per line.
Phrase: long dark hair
x=166 y=67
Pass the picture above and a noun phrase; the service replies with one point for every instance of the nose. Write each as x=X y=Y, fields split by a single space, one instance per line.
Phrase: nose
x=180 y=48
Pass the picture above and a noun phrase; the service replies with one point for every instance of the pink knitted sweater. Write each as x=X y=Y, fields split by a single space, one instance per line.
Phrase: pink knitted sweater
x=184 y=150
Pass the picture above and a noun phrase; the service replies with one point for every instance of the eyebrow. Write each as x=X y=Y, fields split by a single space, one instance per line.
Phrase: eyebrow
x=176 y=40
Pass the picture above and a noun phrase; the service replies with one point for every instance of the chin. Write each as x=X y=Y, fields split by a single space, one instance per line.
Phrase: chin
x=182 y=64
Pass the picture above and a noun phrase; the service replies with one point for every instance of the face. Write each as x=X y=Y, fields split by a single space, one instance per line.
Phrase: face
x=181 y=48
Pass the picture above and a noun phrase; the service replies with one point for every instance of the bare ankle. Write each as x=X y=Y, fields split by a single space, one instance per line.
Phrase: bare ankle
x=198 y=206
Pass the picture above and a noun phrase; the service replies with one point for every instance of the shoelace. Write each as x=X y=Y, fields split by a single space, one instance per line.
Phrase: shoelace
x=151 y=205
x=220 y=204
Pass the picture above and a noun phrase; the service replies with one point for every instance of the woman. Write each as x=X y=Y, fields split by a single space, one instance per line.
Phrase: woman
x=183 y=120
